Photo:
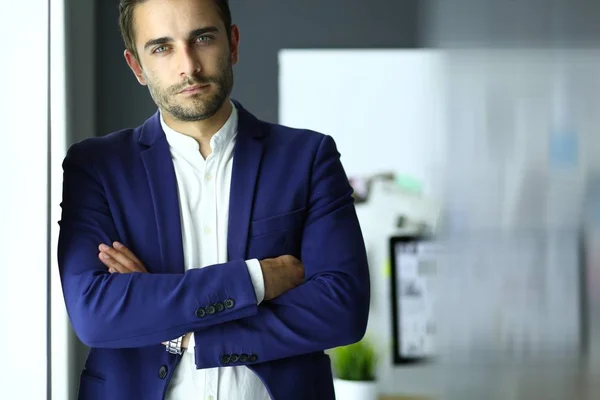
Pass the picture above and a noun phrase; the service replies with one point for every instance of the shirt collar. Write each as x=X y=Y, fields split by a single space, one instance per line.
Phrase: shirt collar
x=220 y=139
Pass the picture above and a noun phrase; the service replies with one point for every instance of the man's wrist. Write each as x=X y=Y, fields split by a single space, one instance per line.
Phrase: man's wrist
x=185 y=342
x=175 y=346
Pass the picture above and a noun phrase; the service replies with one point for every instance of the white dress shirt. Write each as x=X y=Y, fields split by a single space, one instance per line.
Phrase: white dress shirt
x=203 y=187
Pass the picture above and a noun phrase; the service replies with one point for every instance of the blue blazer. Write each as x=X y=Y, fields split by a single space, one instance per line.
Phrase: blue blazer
x=289 y=195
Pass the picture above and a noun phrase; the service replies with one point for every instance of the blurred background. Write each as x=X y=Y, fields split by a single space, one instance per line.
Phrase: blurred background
x=468 y=128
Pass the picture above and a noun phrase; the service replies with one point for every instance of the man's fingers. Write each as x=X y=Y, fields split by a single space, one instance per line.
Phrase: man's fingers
x=112 y=265
x=121 y=258
x=121 y=248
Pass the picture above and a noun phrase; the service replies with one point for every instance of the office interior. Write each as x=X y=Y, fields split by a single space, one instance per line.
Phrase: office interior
x=467 y=128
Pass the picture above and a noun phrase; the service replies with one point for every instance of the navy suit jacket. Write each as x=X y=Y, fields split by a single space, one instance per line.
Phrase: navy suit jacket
x=289 y=195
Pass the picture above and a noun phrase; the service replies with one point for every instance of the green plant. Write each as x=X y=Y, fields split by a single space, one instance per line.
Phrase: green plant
x=355 y=362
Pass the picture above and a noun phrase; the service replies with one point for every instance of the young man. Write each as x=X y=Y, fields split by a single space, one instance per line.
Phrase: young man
x=207 y=254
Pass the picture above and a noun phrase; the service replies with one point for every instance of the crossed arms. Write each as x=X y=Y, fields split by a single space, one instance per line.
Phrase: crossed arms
x=277 y=275
x=138 y=309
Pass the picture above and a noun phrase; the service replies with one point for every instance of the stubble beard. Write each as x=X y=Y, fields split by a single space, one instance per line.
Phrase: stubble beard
x=199 y=106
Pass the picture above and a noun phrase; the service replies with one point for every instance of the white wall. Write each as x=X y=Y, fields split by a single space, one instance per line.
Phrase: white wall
x=24 y=198
x=384 y=108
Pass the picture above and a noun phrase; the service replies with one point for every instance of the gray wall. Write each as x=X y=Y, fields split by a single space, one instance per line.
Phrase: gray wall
x=80 y=124
x=266 y=27
x=510 y=24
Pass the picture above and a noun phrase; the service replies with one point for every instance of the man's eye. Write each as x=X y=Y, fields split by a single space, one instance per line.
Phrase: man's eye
x=202 y=39
x=160 y=49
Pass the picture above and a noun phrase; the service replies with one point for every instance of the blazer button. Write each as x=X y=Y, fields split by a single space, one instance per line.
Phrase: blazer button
x=235 y=358
x=162 y=372
x=225 y=359
x=200 y=313
x=229 y=303
x=219 y=307
x=243 y=358
x=252 y=358
x=210 y=310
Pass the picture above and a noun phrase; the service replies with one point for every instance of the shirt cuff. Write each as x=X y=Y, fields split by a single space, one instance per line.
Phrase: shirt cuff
x=258 y=281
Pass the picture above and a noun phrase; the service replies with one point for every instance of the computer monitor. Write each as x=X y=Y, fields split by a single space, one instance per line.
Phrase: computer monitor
x=413 y=271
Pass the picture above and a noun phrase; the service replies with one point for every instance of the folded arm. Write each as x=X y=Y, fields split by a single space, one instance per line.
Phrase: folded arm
x=331 y=308
x=133 y=310
x=119 y=259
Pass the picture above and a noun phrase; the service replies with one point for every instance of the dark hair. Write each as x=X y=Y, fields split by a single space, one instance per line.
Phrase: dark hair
x=126 y=8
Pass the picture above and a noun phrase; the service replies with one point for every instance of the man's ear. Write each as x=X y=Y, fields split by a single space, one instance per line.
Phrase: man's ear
x=135 y=66
x=235 y=44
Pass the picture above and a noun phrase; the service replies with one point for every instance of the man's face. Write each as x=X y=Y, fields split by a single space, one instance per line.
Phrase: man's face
x=185 y=57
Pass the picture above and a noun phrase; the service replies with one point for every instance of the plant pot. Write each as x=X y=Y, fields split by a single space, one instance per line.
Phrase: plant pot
x=355 y=390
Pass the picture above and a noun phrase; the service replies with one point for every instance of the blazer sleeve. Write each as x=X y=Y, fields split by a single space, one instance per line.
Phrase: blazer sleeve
x=132 y=310
x=331 y=308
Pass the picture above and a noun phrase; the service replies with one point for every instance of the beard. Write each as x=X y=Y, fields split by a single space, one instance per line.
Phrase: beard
x=199 y=106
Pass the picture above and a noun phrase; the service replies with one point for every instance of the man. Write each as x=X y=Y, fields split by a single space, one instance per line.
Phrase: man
x=206 y=254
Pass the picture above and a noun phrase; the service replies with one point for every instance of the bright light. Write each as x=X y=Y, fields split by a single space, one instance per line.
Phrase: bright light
x=24 y=199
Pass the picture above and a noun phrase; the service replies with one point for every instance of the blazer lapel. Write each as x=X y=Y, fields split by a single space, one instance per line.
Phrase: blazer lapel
x=163 y=189
x=247 y=156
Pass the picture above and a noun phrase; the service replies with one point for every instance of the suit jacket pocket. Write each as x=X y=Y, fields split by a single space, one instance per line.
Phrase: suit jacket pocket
x=282 y=222
x=270 y=245
x=275 y=236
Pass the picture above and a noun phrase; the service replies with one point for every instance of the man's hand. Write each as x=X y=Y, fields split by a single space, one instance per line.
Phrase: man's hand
x=120 y=259
x=281 y=274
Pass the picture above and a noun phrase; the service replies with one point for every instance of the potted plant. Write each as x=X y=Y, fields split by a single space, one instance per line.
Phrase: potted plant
x=354 y=371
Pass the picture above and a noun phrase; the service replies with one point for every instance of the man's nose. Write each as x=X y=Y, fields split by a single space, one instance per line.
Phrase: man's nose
x=189 y=64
